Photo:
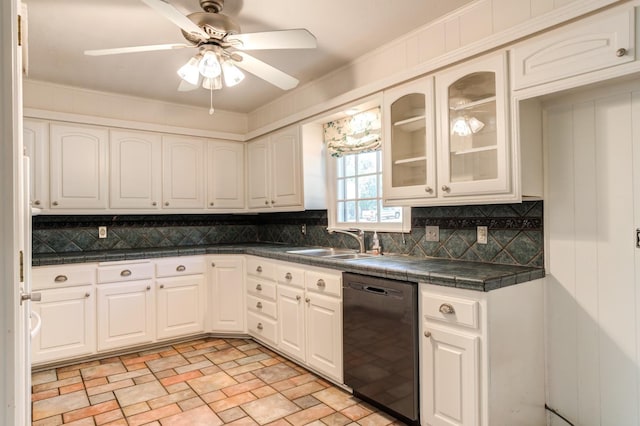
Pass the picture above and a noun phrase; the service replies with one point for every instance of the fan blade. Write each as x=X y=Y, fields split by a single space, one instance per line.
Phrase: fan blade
x=134 y=49
x=174 y=15
x=285 y=39
x=186 y=87
x=266 y=72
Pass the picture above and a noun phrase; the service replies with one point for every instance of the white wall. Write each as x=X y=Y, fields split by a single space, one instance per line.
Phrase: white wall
x=592 y=207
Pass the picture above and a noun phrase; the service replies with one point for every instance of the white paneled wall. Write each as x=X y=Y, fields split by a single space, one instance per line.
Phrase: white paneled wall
x=592 y=208
x=482 y=25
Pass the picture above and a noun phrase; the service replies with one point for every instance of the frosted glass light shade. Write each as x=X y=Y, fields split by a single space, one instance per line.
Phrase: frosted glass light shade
x=232 y=74
x=189 y=71
x=209 y=65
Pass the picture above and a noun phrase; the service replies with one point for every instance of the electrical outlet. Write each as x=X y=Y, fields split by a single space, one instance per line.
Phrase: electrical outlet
x=303 y=229
x=482 y=235
x=431 y=233
x=102 y=232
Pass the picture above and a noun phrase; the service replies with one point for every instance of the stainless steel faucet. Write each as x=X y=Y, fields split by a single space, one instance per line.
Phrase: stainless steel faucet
x=356 y=233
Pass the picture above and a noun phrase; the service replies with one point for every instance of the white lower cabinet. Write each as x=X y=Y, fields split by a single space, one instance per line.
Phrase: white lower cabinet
x=180 y=306
x=481 y=356
x=291 y=324
x=262 y=311
x=68 y=324
x=324 y=329
x=226 y=294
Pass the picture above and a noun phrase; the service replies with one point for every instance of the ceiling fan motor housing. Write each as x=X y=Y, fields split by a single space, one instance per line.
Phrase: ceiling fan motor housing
x=214 y=6
x=216 y=25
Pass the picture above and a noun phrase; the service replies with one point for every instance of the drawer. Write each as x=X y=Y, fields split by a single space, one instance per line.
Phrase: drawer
x=262 y=268
x=125 y=272
x=45 y=277
x=262 y=289
x=291 y=275
x=262 y=328
x=180 y=266
x=324 y=282
x=259 y=305
x=452 y=310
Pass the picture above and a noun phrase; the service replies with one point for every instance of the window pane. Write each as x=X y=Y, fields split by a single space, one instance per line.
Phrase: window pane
x=340 y=167
x=368 y=210
x=349 y=211
x=367 y=163
x=367 y=186
x=391 y=214
x=349 y=165
x=350 y=185
x=340 y=189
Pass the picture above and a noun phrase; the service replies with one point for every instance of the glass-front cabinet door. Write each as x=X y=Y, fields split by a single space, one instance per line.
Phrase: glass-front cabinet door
x=473 y=149
x=408 y=145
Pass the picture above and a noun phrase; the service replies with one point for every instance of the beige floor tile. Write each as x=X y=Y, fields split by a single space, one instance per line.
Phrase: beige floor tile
x=232 y=414
x=110 y=387
x=193 y=366
x=356 y=412
x=129 y=375
x=275 y=373
x=178 y=378
x=336 y=398
x=336 y=419
x=271 y=408
x=243 y=387
x=134 y=409
x=264 y=391
x=44 y=395
x=150 y=416
x=102 y=370
x=306 y=401
x=171 y=398
x=101 y=397
x=309 y=415
x=376 y=419
x=139 y=393
x=245 y=368
x=191 y=403
x=225 y=355
x=201 y=416
x=59 y=404
x=49 y=421
x=211 y=383
x=90 y=411
x=44 y=377
x=57 y=384
x=88 y=421
x=233 y=401
x=306 y=389
x=166 y=363
x=245 y=421
x=108 y=417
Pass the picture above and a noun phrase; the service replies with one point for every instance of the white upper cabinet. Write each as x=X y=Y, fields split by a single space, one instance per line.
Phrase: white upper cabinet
x=595 y=43
x=274 y=171
x=36 y=145
x=409 y=142
x=225 y=175
x=473 y=113
x=182 y=173
x=135 y=177
x=78 y=165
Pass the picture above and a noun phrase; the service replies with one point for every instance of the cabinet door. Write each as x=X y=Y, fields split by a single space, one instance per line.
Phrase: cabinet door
x=449 y=378
x=78 y=168
x=225 y=175
x=324 y=331
x=291 y=322
x=182 y=173
x=473 y=157
x=134 y=170
x=36 y=145
x=68 y=324
x=180 y=306
x=408 y=145
x=125 y=314
x=227 y=294
x=286 y=179
x=258 y=174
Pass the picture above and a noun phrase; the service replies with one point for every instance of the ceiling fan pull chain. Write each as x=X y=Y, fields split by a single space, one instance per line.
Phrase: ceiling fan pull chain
x=211 y=100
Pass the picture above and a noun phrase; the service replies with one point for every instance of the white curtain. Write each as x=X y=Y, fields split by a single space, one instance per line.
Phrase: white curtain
x=358 y=133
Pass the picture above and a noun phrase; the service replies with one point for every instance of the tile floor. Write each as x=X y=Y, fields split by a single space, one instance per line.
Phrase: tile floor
x=210 y=382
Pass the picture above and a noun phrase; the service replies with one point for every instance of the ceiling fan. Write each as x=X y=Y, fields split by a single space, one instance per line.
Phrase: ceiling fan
x=221 y=47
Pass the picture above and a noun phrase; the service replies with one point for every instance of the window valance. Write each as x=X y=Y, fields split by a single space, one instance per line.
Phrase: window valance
x=358 y=133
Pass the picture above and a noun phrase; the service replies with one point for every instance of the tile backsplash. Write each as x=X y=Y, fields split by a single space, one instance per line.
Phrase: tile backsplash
x=515 y=232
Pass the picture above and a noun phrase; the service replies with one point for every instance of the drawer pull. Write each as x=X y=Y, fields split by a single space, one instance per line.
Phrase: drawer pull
x=87 y=294
x=298 y=297
x=321 y=283
x=181 y=268
x=258 y=287
x=125 y=273
x=148 y=287
x=161 y=285
x=288 y=276
x=446 y=309
x=213 y=264
x=259 y=305
x=260 y=327
x=60 y=278
x=307 y=300
x=259 y=269
x=427 y=334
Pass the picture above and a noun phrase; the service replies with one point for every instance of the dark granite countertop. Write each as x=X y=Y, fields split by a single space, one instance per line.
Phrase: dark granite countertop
x=452 y=273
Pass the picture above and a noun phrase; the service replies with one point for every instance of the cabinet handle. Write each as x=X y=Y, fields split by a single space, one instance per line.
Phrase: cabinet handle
x=259 y=269
x=445 y=188
x=321 y=283
x=87 y=294
x=60 y=278
x=446 y=308
x=154 y=204
x=213 y=264
x=148 y=287
x=427 y=334
x=36 y=202
x=428 y=189
x=307 y=300
x=181 y=268
x=621 y=52
x=260 y=327
x=166 y=203
x=125 y=273
x=288 y=276
x=161 y=285
x=259 y=305
x=258 y=287
x=55 y=203
x=298 y=297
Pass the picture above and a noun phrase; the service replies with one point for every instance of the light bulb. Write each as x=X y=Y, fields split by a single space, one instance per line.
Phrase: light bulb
x=214 y=83
x=189 y=71
x=460 y=127
x=232 y=74
x=209 y=65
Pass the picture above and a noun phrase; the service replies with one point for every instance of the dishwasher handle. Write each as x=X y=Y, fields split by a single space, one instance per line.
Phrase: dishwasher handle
x=376 y=290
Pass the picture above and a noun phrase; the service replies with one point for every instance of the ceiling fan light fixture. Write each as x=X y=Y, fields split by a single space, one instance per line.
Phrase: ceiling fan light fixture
x=232 y=74
x=189 y=72
x=214 y=83
x=209 y=65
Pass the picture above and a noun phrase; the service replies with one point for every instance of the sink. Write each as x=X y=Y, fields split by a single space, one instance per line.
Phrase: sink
x=350 y=256
x=323 y=252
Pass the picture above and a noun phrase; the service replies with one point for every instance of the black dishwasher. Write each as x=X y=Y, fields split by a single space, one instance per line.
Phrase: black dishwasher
x=380 y=333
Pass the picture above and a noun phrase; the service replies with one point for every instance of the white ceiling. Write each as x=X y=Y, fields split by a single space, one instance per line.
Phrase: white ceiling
x=60 y=30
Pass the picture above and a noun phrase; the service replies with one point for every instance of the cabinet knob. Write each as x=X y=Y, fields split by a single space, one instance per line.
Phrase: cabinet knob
x=166 y=203
x=87 y=294
x=446 y=308
x=260 y=327
x=321 y=283
x=259 y=305
x=36 y=202
x=273 y=201
x=154 y=204
x=266 y=202
x=161 y=285
x=298 y=297
x=445 y=188
x=125 y=273
x=211 y=204
x=621 y=52
x=259 y=269
x=181 y=268
x=288 y=276
x=213 y=264
x=307 y=300
x=60 y=278
x=428 y=189
x=148 y=287
x=55 y=203
x=427 y=334
x=259 y=287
